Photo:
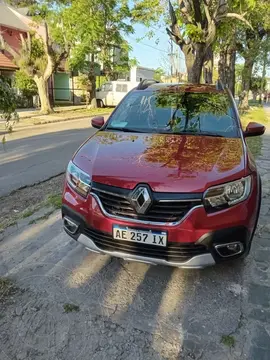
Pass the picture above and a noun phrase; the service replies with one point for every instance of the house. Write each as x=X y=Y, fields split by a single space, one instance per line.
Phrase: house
x=11 y=28
x=15 y=23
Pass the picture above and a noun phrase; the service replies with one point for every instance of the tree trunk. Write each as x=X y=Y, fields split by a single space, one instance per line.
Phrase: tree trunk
x=92 y=87
x=45 y=106
x=254 y=96
x=194 y=62
x=226 y=68
x=246 y=80
x=208 y=66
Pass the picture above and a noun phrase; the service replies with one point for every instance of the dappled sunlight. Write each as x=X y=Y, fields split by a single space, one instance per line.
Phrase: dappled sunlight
x=23 y=236
x=173 y=294
x=124 y=287
x=89 y=267
x=40 y=255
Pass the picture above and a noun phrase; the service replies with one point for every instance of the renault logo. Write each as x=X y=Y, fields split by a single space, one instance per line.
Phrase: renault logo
x=141 y=199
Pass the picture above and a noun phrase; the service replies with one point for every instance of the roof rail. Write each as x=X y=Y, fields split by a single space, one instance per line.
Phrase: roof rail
x=220 y=85
x=145 y=83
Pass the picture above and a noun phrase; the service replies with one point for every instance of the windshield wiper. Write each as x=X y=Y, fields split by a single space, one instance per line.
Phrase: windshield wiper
x=200 y=133
x=124 y=129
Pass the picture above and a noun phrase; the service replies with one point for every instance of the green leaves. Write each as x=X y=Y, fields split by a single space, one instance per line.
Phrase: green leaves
x=7 y=106
x=195 y=32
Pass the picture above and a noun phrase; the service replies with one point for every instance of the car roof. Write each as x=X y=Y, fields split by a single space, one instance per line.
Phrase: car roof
x=184 y=87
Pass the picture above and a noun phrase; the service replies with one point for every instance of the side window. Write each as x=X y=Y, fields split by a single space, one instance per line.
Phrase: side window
x=106 y=87
x=121 y=88
x=118 y=88
x=124 y=88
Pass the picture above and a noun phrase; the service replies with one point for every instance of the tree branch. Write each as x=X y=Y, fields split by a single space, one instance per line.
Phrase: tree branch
x=235 y=16
x=207 y=14
x=197 y=11
x=48 y=50
x=185 y=9
x=174 y=31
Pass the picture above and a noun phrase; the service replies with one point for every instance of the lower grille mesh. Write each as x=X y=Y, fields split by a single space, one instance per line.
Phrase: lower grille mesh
x=177 y=252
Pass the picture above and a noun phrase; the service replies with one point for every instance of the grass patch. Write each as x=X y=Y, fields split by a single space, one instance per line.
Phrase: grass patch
x=254 y=114
x=70 y=308
x=6 y=224
x=55 y=201
x=255 y=145
x=7 y=288
x=228 y=340
x=27 y=213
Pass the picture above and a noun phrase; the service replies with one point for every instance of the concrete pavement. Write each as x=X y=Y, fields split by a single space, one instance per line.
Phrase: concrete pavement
x=38 y=153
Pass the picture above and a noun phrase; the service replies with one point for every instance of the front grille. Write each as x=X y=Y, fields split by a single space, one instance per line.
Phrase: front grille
x=174 y=252
x=116 y=202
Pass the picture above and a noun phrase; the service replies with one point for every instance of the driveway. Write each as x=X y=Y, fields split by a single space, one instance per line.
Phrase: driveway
x=131 y=310
x=37 y=153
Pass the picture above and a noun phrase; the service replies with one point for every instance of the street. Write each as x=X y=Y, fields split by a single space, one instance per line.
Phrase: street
x=130 y=310
x=37 y=153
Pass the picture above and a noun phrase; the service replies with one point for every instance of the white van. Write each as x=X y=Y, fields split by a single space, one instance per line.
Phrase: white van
x=112 y=92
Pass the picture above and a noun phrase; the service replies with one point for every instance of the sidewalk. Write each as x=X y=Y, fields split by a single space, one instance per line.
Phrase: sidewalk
x=29 y=118
x=33 y=112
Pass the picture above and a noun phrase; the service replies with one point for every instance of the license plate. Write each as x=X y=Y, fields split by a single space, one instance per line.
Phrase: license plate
x=149 y=237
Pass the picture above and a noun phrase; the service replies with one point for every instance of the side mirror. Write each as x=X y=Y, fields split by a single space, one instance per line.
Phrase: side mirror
x=97 y=122
x=254 y=129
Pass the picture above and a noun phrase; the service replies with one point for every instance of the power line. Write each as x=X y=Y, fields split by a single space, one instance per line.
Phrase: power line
x=153 y=47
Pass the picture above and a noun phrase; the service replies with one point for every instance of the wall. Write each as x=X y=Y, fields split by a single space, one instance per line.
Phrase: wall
x=12 y=37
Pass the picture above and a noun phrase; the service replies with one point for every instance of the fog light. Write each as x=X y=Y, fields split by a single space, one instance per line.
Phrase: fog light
x=70 y=226
x=231 y=249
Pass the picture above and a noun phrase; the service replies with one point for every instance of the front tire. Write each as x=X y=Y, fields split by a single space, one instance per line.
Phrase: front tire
x=100 y=103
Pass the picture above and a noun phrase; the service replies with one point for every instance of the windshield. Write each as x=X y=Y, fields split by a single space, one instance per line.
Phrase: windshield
x=167 y=111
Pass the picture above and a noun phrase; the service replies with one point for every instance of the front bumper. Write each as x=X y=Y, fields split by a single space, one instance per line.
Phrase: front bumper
x=193 y=243
x=196 y=262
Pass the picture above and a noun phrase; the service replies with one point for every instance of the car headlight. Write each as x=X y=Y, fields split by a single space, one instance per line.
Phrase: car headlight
x=222 y=196
x=78 y=179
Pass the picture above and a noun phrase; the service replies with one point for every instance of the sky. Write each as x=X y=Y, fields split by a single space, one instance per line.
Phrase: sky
x=151 y=54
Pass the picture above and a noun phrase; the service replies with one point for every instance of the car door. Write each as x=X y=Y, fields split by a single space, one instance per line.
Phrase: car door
x=105 y=94
x=120 y=91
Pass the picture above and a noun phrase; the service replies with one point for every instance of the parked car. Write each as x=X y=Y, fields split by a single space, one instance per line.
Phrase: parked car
x=168 y=179
x=112 y=92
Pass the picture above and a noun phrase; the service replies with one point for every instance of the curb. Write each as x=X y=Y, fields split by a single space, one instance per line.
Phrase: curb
x=18 y=127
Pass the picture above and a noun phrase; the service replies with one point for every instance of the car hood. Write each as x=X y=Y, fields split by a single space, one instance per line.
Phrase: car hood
x=168 y=163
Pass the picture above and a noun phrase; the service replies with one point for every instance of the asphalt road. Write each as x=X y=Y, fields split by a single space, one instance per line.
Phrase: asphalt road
x=132 y=311
x=35 y=154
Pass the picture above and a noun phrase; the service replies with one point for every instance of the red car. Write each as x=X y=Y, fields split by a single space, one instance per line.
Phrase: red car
x=168 y=179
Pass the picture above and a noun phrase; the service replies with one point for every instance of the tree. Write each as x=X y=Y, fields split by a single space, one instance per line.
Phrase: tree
x=257 y=86
x=41 y=52
x=249 y=44
x=225 y=47
x=193 y=27
x=238 y=78
x=26 y=85
x=7 y=105
x=98 y=36
x=159 y=72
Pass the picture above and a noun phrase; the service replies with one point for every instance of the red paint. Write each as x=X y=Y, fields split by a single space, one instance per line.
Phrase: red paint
x=168 y=163
x=191 y=229
x=254 y=129
x=98 y=122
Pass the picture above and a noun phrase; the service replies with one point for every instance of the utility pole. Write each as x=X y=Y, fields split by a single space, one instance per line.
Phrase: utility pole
x=171 y=60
